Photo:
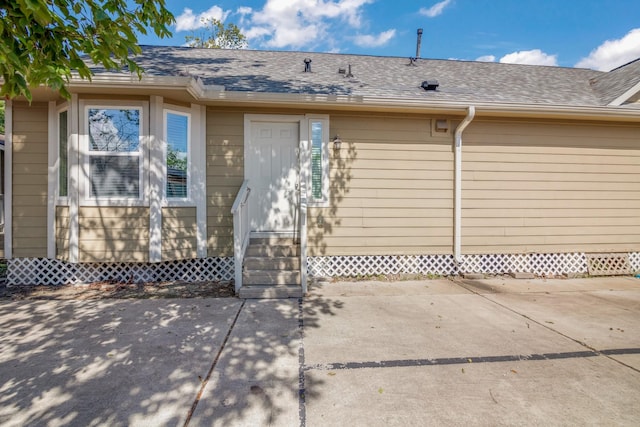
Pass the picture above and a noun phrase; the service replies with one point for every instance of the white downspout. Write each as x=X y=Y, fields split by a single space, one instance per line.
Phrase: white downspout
x=457 y=232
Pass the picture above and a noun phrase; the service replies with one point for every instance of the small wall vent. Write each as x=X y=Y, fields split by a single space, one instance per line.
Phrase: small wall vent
x=430 y=85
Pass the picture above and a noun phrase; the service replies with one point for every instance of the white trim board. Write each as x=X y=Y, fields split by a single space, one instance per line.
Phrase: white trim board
x=8 y=181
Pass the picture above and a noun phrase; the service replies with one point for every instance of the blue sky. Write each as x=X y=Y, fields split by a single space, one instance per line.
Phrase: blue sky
x=598 y=34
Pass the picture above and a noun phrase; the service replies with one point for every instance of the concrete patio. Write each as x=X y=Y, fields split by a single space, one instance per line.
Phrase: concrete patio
x=496 y=351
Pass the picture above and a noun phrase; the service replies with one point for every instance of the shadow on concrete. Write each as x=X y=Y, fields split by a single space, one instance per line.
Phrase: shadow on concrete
x=106 y=362
x=123 y=363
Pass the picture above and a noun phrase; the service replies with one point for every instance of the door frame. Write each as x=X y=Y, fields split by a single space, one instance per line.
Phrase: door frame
x=303 y=132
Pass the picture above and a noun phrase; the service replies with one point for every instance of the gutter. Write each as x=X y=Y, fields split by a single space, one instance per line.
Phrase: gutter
x=457 y=232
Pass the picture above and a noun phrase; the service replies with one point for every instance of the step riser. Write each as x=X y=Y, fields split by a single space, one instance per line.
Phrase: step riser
x=271 y=264
x=273 y=241
x=267 y=278
x=272 y=251
x=277 y=292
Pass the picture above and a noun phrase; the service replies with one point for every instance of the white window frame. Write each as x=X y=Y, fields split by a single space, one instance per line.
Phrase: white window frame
x=86 y=154
x=323 y=201
x=177 y=201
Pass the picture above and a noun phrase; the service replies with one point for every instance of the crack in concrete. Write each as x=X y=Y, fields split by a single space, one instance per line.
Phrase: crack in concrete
x=302 y=411
x=205 y=381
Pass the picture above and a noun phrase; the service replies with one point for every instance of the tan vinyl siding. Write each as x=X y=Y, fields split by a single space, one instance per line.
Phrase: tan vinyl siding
x=29 y=179
x=62 y=233
x=179 y=230
x=391 y=189
x=114 y=234
x=225 y=173
x=550 y=187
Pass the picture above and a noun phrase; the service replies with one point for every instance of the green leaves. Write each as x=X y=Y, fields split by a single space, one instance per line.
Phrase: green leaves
x=219 y=36
x=43 y=42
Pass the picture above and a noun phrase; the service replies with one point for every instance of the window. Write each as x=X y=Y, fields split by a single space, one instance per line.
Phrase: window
x=114 y=152
x=316 y=160
x=176 y=132
x=63 y=181
x=319 y=165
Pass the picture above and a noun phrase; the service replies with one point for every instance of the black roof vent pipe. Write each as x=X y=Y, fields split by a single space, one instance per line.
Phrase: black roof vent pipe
x=349 y=73
x=419 y=43
x=307 y=65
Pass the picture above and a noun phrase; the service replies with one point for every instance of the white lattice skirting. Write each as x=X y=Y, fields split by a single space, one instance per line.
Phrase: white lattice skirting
x=539 y=264
x=42 y=271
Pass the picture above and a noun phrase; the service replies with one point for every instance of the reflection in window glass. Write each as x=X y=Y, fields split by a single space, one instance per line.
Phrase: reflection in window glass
x=114 y=152
x=316 y=160
x=177 y=133
x=114 y=176
x=115 y=130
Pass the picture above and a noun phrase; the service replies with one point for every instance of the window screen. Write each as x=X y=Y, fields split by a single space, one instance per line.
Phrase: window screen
x=177 y=136
x=316 y=160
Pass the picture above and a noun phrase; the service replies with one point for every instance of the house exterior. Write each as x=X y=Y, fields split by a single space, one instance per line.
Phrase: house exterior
x=374 y=164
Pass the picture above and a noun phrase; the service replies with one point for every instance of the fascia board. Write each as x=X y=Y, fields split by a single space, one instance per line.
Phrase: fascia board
x=459 y=108
x=625 y=96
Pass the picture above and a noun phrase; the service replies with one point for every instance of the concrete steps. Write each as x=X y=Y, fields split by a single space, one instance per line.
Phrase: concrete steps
x=271 y=269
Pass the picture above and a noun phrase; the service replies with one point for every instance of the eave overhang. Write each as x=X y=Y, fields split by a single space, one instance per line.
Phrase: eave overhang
x=217 y=95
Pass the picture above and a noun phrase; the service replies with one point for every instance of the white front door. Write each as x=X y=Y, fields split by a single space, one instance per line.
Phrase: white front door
x=272 y=170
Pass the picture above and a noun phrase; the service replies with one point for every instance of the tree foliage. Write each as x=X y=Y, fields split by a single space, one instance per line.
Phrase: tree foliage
x=42 y=42
x=218 y=36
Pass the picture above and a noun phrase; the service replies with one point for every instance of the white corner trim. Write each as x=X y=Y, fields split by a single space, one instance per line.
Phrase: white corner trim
x=8 y=181
x=198 y=183
x=73 y=192
x=52 y=187
x=625 y=96
x=156 y=178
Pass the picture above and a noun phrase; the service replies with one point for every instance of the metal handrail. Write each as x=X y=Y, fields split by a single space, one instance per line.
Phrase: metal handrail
x=241 y=230
x=303 y=236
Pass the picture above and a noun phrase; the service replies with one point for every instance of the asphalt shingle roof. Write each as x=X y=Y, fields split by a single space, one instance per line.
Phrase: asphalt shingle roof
x=390 y=77
x=616 y=82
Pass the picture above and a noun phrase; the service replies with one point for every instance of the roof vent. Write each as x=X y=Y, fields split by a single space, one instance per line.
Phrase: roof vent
x=419 y=43
x=307 y=65
x=349 y=73
x=430 y=85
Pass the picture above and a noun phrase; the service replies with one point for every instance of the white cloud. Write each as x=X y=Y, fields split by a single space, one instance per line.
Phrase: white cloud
x=486 y=58
x=369 y=40
x=298 y=23
x=188 y=21
x=434 y=10
x=613 y=53
x=530 y=57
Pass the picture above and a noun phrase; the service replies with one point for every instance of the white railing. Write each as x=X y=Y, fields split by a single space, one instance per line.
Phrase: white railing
x=241 y=230
x=303 y=236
